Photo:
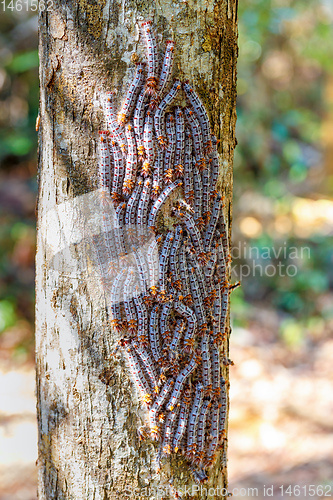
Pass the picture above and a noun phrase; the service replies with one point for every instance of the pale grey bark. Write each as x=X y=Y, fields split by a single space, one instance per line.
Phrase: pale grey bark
x=88 y=411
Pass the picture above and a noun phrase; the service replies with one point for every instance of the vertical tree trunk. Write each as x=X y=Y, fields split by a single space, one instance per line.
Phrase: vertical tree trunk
x=87 y=411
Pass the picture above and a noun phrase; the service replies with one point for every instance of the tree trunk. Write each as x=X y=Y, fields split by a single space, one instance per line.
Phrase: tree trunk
x=88 y=412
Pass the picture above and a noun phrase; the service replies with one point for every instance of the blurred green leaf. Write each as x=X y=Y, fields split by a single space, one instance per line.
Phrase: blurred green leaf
x=292 y=332
x=7 y=315
x=18 y=145
x=298 y=172
x=23 y=62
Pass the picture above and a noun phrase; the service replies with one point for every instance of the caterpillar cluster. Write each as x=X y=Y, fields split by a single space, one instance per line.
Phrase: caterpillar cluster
x=167 y=286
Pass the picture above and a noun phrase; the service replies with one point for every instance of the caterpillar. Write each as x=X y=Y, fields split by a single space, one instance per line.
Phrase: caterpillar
x=210 y=266
x=119 y=215
x=223 y=408
x=148 y=144
x=208 y=238
x=115 y=299
x=154 y=335
x=132 y=94
x=206 y=365
x=161 y=200
x=191 y=319
x=176 y=339
x=186 y=289
x=142 y=319
x=131 y=160
x=167 y=65
x=197 y=138
x=214 y=434
x=158 y=175
x=169 y=426
x=152 y=53
x=160 y=113
x=193 y=421
x=139 y=120
x=183 y=418
x=188 y=172
x=104 y=173
x=194 y=234
x=153 y=266
x=130 y=310
x=180 y=381
x=221 y=262
x=198 y=303
x=164 y=320
x=143 y=205
x=157 y=406
x=217 y=316
x=164 y=264
x=142 y=270
x=224 y=308
x=214 y=167
x=202 y=420
x=119 y=171
x=132 y=203
x=203 y=285
x=215 y=361
x=198 y=195
x=180 y=142
x=201 y=114
x=170 y=149
x=139 y=378
x=206 y=214
x=174 y=259
x=147 y=362
x=114 y=127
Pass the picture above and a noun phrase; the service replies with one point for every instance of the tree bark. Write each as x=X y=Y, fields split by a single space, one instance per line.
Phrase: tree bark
x=88 y=413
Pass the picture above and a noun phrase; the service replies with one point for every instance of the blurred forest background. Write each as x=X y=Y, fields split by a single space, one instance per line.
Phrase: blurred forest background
x=281 y=429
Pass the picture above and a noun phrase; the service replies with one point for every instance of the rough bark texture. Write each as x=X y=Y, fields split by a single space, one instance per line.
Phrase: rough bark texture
x=87 y=408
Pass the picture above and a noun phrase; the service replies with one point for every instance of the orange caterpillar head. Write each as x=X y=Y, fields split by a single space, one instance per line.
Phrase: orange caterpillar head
x=179 y=171
x=203 y=258
x=147 y=399
x=162 y=142
x=141 y=151
x=121 y=118
x=167 y=449
x=168 y=176
x=200 y=223
x=116 y=197
x=155 y=192
x=128 y=186
x=201 y=164
x=146 y=169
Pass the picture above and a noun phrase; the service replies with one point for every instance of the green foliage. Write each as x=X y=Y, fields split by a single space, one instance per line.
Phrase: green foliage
x=281 y=105
x=18 y=86
x=7 y=314
x=23 y=62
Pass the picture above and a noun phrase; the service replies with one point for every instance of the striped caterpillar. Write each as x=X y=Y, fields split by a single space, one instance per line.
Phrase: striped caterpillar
x=131 y=160
x=167 y=65
x=169 y=295
x=201 y=114
x=132 y=94
x=160 y=113
x=152 y=56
